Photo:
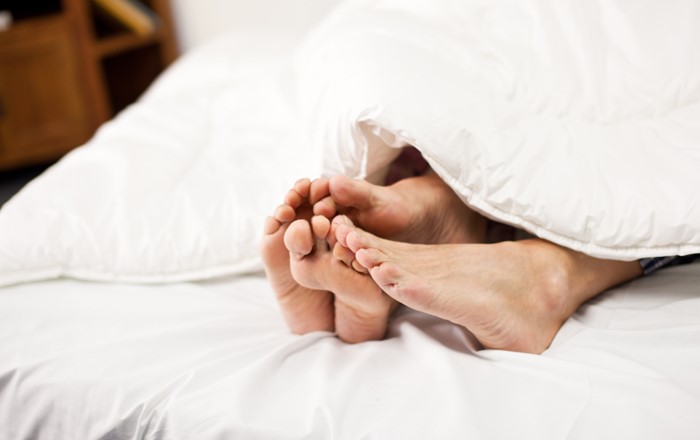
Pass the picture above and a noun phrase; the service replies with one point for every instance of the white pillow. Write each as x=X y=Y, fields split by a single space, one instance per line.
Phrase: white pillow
x=577 y=122
x=175 y=188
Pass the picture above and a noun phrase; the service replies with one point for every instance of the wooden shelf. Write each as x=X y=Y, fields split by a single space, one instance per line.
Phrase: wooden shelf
x=63 y=72
x=124 y=42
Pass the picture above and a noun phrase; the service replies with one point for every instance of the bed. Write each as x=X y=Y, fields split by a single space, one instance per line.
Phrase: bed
x=133 y=304
x=214 y=360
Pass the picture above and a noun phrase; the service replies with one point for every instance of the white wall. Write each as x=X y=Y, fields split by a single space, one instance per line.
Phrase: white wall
x=199 y=20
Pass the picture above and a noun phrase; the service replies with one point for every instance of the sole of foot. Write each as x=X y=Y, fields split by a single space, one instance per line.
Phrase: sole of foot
x=362 y=309
x=304 y=310
x=510 y=295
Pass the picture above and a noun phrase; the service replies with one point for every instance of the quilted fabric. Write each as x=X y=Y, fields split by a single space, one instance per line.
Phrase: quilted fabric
x=579 y=122
x=177 y=187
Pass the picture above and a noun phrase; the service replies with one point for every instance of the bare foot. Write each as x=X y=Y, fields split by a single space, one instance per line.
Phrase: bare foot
x=419 y=209
x=305 y=310
x=362 y=310
x=510 y=295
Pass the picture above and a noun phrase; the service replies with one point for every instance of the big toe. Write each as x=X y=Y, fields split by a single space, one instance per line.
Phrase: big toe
x=272 y=249
x=351 y=192
x=319 y=189
x=298 y=239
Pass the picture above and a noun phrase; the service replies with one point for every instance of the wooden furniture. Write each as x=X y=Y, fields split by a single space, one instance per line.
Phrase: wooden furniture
x=63 y=72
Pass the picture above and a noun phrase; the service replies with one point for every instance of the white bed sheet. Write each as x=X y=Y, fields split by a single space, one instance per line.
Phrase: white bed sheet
x=213 y=360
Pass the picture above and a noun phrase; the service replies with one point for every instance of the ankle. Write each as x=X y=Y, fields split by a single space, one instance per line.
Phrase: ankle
x=554 y=275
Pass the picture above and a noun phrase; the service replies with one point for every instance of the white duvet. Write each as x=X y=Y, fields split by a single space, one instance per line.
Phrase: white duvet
x=577 y=122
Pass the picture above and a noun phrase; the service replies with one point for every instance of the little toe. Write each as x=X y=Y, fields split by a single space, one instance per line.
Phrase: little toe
x=284 y=214
x=318 y=190
x=343 y=254
x=358 y=267
x=299 y=239
x=271 y=225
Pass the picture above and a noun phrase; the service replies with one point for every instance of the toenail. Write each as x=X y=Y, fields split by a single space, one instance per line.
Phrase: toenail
x=358 y=267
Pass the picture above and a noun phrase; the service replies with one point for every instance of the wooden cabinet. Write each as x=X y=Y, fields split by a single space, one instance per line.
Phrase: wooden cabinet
x=61 y=76
x=45 y=110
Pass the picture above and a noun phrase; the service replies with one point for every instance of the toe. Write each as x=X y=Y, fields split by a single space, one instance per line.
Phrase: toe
x=341 y=227
x=358 y=267
x=342 y=220
x=321 y=226
x=299 y=239
x=343 y=254
x=369 y=258
x=284 y=214
x=325 y=207
x=318 y=190
x=330 y=238
x=387 y=275
x=272 y=250
x=293 y=198
x=358 y=239
x=271 y=225
x=349 y=192
x=341 y=234
x=302 y=187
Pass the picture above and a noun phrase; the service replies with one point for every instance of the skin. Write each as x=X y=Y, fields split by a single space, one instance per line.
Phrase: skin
x=296 y=250
x=304 y=264
x=336 y=276
x=305 y=310
x=510 y=295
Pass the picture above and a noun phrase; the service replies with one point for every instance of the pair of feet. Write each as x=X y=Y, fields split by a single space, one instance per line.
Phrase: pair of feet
x=334 y=273
x=319 y=284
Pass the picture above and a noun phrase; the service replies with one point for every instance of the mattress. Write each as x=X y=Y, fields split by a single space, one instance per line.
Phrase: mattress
x=213 y=360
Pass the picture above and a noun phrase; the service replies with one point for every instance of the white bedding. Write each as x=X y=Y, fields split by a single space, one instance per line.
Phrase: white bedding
x=577 y=122
x=177 y=186
x=175 y=190
x=214 y=360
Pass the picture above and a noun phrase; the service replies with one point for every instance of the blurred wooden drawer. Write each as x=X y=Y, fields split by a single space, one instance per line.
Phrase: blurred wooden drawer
x=44 y=111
